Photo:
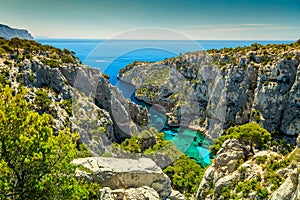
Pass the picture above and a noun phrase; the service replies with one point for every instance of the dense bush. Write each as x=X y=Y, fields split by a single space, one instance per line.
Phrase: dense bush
x=52 y=63
x=4 y=80
x=185 y=175
x=147 y=141
x=34 y=163
x=248 y=134
x=42 y=100
x=67 y=59
x=106 y=76
x=28 y=48
x=67 y=105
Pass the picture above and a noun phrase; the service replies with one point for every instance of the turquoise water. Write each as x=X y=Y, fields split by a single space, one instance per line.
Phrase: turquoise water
x=192 y=143
x=111 y=58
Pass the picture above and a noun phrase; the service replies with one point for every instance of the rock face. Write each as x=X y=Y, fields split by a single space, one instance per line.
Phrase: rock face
x=97 y=110
x=215 y=89
x=141 y=193
x=289 y=190
x=128 y=118
x=8 y=33
x=241 y=174
x=125 y=174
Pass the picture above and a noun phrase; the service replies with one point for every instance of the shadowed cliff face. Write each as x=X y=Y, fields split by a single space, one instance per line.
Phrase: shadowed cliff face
x=8 y=33
x=216 y=89
x=79 y=97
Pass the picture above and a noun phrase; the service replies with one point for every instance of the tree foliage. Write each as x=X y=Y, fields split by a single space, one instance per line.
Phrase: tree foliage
x=147 y=141
x=185 y=175
x=42 y=100
x=34 y=163
x=249 y=134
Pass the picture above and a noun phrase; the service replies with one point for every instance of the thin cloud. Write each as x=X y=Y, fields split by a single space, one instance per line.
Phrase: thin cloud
x=227 y=25
x=243 y=28
x=256 y=24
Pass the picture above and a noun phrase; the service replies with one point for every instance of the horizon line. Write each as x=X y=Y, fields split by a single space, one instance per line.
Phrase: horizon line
x=145 y=39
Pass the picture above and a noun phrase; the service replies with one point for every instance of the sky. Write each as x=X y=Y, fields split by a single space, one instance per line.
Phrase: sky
x=196 y=19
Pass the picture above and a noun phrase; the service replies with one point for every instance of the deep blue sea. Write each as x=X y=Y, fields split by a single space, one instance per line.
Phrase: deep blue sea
x=112 y=55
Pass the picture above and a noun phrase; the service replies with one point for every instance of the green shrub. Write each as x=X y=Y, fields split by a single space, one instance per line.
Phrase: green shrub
x=106 y=76
x=35 y=163
x=248 y=134
x=262 y=193
x=67 y=59
x=131 y=145
x=148 y=142
x=52 y=63
x=185 y=175
x=42 y=100
x=4 y=80
x=261 y=159
x=67 y=105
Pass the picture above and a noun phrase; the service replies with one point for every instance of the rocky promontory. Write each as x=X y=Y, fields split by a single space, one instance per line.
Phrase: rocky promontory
x=74 y=94
x=8 y=33
x=220 y=88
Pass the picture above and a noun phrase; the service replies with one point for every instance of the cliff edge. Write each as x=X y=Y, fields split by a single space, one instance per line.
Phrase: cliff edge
x=8 y=33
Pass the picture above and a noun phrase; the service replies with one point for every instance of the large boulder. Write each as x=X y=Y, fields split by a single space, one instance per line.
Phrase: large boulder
x=141 y=193
x=124 y=173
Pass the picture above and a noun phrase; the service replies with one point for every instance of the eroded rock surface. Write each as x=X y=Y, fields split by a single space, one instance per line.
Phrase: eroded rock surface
x=125 y=173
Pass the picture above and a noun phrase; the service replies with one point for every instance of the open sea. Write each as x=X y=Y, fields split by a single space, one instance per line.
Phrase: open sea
x=112 y=55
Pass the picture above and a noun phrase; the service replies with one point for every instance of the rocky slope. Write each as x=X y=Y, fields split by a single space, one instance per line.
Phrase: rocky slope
x=8 y=33
x=74 y=94
x=200 y=92
x=238 y=174
x=82 y=99
x=217 y=89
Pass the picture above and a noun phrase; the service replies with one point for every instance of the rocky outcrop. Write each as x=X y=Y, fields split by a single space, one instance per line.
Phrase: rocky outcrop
x=289 y=190
x=239 y=173
x=223 y=171
x=216 y=89
x=96 y=110
x=176 y=195
x=8 y=33
x=128 y=118
x=125 y=174
x=141 y=193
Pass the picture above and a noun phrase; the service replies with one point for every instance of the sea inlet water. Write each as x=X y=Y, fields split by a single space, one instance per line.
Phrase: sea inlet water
x=111 y=56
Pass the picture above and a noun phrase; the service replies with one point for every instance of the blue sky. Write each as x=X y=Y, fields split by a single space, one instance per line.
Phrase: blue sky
x=198 y=19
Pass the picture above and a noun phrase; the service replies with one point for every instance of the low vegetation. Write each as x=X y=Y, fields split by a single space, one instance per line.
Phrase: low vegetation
x=248 y=134
x=268 y=179
x=19 y=49
x=185 y=175
x=42 y=100
x=147 y=141
x=35 y=163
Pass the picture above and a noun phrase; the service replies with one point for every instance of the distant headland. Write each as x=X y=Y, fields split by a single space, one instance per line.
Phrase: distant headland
x=8 y=33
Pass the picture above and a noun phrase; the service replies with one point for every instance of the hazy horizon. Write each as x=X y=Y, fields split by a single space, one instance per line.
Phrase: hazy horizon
x=197 y=19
